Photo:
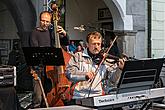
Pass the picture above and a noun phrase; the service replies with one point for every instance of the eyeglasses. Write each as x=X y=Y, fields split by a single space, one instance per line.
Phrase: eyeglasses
x=46 y=22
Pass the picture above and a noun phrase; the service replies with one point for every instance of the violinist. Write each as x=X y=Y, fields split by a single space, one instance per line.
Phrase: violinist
x=81 y=69
x=42 y=36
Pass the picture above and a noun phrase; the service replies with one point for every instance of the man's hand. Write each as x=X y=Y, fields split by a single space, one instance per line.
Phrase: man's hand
x=90 y=76
x=121 y=63
x=60 y=30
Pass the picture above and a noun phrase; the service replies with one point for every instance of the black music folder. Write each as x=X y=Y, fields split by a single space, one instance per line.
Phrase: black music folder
x=50 y=56
x=139 y=75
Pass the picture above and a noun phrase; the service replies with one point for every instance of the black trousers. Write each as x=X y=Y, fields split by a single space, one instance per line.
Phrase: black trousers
x=8 y=98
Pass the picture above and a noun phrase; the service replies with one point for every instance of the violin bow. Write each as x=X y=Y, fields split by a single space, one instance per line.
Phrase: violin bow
x=104 y=56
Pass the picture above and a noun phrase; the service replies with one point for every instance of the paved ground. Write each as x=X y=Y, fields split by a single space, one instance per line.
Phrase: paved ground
x=25 y=100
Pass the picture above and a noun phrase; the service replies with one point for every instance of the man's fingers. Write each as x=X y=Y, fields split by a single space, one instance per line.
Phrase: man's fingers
x=92 y=75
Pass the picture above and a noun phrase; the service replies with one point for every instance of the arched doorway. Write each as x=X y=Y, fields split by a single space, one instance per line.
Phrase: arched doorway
x=82 y=12
x=18 y=19
x=24 y=16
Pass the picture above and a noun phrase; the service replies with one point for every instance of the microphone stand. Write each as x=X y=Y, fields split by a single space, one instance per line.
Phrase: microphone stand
x=116 y=32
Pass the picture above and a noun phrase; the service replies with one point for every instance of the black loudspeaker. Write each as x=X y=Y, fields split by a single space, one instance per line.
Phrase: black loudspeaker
x=8 y=98
x=7 y=76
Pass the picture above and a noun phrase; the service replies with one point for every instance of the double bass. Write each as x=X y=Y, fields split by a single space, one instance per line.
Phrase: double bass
x=60 y=84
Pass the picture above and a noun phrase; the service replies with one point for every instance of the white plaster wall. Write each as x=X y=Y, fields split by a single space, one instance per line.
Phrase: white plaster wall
x=140 y=45
x=128 y=20
x=139 y=16
x=158 y=28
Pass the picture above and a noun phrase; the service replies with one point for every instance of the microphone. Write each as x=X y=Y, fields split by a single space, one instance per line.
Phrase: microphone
x=81 y=28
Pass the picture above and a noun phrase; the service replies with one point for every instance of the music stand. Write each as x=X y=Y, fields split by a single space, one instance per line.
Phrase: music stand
x=50 y=56
x=139 y=75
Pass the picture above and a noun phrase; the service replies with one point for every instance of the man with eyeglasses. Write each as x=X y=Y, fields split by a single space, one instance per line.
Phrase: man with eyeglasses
x=43 y=36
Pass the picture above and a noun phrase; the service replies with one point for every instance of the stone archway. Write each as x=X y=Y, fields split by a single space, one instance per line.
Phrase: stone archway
x=118 y=23
x=24 y=16
x=124 y=23
x=117 y=14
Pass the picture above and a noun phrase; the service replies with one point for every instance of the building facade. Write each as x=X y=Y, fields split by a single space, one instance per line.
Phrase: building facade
x=158 y=28
x=126 y=18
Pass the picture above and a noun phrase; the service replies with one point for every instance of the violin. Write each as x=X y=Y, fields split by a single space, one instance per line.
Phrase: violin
x=115 y=58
